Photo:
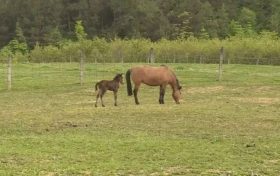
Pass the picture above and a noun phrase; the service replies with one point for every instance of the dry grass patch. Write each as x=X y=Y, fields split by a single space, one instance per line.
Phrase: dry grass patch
x=194 y=90
x=257 y=100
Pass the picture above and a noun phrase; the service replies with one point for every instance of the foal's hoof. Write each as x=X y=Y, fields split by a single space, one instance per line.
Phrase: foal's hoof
x=115 y=104
x=103 y=105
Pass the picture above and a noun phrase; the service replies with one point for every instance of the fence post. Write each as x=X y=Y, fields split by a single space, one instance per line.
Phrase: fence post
x=120 y=54
x=258 y=61
x=81 y=68
x=174 y=57
x=9 y=78
x=151 y=58
x=221 y=63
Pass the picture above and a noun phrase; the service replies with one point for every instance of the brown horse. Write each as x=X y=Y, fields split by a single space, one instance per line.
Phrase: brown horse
x=153 y=76
x=104 y=85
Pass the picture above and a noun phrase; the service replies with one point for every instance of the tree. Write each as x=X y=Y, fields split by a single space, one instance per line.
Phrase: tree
x=54 y=37
x=235 y=29
x=247 y=18
x=19 y=34
x=80 y=31
x=182 y=28
x=222 y=22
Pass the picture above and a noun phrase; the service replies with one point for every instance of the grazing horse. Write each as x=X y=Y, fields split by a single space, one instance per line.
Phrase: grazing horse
x=104 y=85
x=153 y=76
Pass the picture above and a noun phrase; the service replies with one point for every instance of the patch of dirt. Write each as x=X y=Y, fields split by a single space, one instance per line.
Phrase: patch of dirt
x=205 y=89
x=275 y=161
x=218 y=172
x=263 y=89
x=173 y=171
x=261 y=100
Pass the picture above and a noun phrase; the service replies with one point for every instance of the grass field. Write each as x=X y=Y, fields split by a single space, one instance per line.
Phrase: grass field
x=49 y=125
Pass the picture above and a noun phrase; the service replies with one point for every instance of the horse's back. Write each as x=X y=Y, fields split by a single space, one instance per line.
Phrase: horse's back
x=153 y=76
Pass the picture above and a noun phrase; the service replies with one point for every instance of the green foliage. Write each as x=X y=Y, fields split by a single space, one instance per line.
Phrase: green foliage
x=19 y=34
x=54 y=37
x=239 y=49
x=46 y=21
x=182 y=27
x=16 y=48
x=80 y=31
x=236 y=29
x=247 y=18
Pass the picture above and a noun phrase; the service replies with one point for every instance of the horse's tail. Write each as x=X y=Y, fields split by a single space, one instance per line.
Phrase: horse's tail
x=128 y=83
x=96 y=86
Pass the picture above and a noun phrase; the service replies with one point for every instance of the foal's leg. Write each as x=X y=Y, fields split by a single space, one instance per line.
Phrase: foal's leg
x=97 y=96
x=115 y=97
x=135 y=91
x=101 y=96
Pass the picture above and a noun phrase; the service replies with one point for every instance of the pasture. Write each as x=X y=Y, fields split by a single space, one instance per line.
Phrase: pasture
x=49 y=125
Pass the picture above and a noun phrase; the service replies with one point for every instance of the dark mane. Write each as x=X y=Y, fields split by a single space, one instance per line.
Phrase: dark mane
x=178 y=84
x=117 y=77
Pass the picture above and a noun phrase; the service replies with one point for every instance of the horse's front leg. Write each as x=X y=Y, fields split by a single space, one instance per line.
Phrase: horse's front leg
x=115 y=97
x=135 y=92
x=161 y=94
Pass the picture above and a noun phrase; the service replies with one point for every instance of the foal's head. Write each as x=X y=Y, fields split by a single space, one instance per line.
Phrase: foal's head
x=119 y=78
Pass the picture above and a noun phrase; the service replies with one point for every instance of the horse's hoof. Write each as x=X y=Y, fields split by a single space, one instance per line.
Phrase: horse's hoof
x=96 y=105
x=116 y=105
x=103 y=105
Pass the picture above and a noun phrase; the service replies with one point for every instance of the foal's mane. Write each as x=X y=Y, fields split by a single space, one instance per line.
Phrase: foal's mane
x=117 y=77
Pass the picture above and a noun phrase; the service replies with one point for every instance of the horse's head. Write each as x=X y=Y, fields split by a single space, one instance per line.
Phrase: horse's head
x=176 y=96
x=177 y=92
x=119 y=78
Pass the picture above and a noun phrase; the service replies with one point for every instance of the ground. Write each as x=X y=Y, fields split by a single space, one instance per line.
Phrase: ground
x=49 y=125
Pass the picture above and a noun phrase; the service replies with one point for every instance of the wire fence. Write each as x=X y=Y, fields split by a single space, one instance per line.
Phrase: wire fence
x=85 y=70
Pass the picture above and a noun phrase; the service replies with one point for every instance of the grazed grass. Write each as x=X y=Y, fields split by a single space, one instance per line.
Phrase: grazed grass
x=49 y=125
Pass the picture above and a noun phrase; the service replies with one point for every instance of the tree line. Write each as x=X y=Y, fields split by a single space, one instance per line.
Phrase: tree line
x=49 y=22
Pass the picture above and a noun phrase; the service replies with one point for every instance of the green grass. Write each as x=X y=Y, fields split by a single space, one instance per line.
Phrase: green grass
x=49 y=125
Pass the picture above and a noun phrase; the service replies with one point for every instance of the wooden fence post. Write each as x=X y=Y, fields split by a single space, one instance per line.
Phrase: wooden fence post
x=120 y=55
x=221 y=63
x=200 y=59
x=151 y=58
x=81 y=68
x=9 y=78
x=258 y=61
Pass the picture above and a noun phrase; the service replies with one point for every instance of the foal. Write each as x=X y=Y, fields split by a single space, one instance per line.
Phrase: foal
x=104 y=85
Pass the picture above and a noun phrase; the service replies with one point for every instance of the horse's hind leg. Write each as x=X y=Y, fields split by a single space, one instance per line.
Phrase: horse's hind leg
x=135 y=91
x=101 y=97
x=97 y=96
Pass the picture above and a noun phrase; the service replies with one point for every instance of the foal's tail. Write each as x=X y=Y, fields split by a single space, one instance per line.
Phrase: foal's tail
x=96 y=86
x=128 y=82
